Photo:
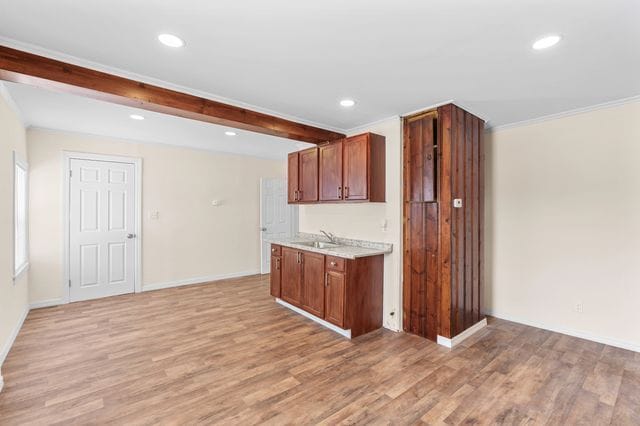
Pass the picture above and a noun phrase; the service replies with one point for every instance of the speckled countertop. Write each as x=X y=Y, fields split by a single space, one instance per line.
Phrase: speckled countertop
x=349 y=249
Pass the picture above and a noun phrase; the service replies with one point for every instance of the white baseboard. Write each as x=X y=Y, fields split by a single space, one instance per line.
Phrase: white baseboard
x=12 y=337
x=570 y=332
x=456 y=340
x=46 y=303
x=343 y=332
x=198 y=280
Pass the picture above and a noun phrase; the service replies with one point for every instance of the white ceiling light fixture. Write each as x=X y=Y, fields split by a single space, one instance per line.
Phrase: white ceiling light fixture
x=136 y=117
x=347 y=103
x=546 y=42
x=171 y=40
x=230 y=133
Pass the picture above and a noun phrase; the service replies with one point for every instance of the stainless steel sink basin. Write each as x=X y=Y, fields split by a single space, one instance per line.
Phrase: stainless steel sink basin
x=317 y=244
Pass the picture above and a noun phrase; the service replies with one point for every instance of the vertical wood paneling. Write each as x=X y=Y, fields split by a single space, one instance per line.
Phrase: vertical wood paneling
x=432 y=296
x=445 y=246
x=420 y=265
x=418 y=275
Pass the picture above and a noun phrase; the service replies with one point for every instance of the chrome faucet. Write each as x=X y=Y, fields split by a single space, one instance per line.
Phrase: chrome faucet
x=330 y=236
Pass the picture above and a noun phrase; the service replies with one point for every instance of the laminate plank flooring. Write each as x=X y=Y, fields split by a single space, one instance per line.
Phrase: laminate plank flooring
x=225 y=353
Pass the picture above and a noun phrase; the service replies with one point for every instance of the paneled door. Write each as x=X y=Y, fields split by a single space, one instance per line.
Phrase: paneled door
x=308 y=175
x=102 y=229
x=331 y=171
x=291 y=276
x=313 y=283
x=278 y=219
x=356 y=168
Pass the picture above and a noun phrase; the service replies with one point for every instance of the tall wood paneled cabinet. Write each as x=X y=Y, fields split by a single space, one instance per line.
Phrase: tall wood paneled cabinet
x=443 y=222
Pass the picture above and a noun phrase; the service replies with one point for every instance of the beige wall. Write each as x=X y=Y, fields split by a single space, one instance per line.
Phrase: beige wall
x=191 y=240
x=13 y=296
x=363 y=221
x=563 y=224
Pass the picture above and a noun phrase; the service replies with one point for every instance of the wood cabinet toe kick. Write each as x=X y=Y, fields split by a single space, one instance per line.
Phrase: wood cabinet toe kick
x=342 y=293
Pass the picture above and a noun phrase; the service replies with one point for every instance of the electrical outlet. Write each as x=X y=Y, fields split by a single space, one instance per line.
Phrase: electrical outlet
x=579 y=307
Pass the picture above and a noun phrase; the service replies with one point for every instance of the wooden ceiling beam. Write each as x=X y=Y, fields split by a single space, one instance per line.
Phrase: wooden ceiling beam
x=22 y=67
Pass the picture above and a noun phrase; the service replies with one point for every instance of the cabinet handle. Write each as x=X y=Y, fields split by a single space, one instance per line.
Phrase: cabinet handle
x=326 y=279
x=339 y=192
x=298 y=257
x=299 y=195
x=295 y=195
x=346 y=192
x=277 y=264
x=273 y=250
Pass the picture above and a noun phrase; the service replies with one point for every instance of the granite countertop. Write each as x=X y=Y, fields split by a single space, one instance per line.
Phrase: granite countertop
x=348 y=249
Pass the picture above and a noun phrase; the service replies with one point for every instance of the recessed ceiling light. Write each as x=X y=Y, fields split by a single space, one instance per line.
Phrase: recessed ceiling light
x=546 y=42
x=171 y=40
x=136 y=117
x=230 y=133
x=347 y=103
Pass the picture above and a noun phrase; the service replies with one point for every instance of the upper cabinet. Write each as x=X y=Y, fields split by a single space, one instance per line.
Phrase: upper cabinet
x=303 y=176
x=331 y=171
x=351 y=169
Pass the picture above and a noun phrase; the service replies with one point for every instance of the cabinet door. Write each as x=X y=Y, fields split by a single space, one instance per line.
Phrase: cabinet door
x=313 y=283
x=356 y=168
x=275 y=277
x=308 y=178
x=331 y=171
x=290 y=285
x=334 y=298
x=292 y=177
x=420 y=162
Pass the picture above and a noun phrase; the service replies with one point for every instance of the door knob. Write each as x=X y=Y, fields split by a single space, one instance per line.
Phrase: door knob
x=263 y=229
x=130 y=236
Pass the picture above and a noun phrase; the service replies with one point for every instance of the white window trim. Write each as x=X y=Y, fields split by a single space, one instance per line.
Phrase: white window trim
x=18 y=160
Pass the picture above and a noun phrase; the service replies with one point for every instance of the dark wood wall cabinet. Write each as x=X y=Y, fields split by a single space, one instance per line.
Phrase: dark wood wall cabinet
x=443 y=222
x=344 y=292
x=344 y=170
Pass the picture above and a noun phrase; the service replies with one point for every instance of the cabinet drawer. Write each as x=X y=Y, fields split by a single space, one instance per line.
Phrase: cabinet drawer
x=335 y=264
x=276 y=250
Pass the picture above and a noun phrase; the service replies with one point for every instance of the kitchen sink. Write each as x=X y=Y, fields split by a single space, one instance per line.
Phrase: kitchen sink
x=317 y=244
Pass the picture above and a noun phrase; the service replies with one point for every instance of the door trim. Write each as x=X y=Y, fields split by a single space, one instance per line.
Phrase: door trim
x=67 y=156
x=293 y=226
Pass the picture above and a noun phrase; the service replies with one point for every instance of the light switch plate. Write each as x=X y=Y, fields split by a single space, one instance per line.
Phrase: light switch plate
x=457 y=203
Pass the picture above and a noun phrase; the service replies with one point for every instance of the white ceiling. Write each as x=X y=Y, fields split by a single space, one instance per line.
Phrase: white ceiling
x=298 y=58
x=61 y=111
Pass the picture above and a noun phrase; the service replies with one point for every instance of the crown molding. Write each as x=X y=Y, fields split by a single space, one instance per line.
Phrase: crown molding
x=568 y=113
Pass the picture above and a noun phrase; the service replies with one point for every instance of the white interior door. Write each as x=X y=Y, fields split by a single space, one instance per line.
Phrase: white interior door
x=101 y=229
x=277 y=218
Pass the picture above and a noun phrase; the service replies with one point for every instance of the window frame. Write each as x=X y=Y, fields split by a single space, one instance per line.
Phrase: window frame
x=20 y=162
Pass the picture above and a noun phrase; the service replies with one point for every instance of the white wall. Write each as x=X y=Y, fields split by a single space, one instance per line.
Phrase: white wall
x=363 y=220
x=563 y=224
x=13 y=296
x=192 y=240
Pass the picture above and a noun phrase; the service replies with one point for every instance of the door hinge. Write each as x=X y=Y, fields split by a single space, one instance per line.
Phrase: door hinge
x=70 y=173
x=69 y=283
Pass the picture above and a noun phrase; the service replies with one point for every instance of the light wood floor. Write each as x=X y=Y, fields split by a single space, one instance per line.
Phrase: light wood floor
x=226 y=353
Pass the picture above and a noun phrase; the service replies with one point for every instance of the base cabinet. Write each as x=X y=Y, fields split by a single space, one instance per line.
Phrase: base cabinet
x=275 y=275
x=344 y=292
x=334 y=298
x=313 y=283
x=291 y=276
